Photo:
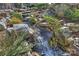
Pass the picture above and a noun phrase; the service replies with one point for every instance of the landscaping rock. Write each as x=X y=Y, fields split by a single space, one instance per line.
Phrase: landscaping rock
x=20 y=27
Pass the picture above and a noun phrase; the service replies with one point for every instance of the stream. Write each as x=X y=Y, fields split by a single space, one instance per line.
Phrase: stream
x=42 y=46
x=42 y=37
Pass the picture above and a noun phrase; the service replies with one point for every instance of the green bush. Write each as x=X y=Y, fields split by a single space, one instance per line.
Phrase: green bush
x=32 y=19
x=73 y=15
x=16 y=14
x=39 y=6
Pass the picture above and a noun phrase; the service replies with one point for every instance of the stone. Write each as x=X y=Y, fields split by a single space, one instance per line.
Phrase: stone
x=71 y=39
x=20 y=26
x=9 y=29
x=35 y=54
x=2 y=23
x=3 y=20
x=76 y=41
x=2 y=27
x=66 y=54
x=49 y=12
x=65 y=31
x=23 y=27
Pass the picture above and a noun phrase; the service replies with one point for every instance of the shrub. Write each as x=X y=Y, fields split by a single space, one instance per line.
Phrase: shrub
x=15 y=20
x=16 y=14
x=73 y=15
x=33 y=19
x=57 y=40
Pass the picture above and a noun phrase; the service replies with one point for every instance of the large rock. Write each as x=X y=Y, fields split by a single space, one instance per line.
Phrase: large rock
x=3 y=22
x=18 y=27
x=22 y=27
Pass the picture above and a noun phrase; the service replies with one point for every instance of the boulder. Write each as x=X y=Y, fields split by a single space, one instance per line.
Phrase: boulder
x=22 y=27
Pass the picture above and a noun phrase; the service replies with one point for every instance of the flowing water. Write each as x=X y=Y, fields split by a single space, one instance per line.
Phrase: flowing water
x=42 y=45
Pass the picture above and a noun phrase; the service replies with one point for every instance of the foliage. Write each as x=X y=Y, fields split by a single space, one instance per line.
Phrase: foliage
x=55 y=26
x=16 y=14
x=18 y=5
x=39 y=6
x=73 y=15
x=53 y=22
x=68 y=13
x=15 y=20
x=57 y=40
x=12 y=46
x=66 y=10
x=33 y=19
x=58 y=9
